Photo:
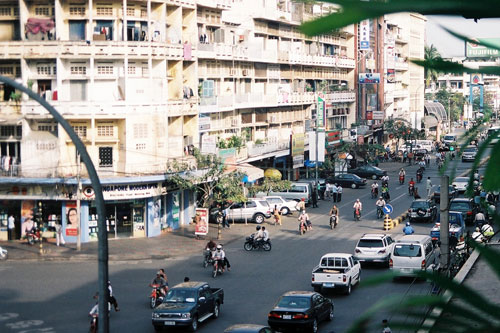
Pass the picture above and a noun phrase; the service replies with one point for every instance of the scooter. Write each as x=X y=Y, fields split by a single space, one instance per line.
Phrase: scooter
x=380 y=213
x=207 y=258
x=156 y=296
x=33 y=236
x=3 y=253
x=411 y=190
x=374 y=192
x=333 y=221
x=93 y=324
x=302 y=227
x=357 y=214
x=419 y=177
x=401 y=179
x=251 y=244
x=217 y=269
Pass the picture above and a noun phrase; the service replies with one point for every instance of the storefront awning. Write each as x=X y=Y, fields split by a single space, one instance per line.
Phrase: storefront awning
x=252 y=173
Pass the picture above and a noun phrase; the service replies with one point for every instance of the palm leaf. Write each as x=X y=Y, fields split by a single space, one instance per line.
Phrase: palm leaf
x=492 y=176
x=453 y=67
x=354 y=11
x=482 y=149
x=488 y=254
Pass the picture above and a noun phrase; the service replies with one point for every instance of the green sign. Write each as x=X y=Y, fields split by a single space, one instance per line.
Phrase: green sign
x=479 y=51
x=320 y=113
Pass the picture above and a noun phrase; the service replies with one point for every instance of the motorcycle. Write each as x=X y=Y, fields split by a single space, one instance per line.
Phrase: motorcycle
x=401 y=179
x=217 y=269
x=33 y=236
x=207 y=258
x=380 y=213
x=156 y=296
x=251 y=244
x=411 y=190
x=93 y=324
x=386 y=196
x=3 y=253
x=357 y=214
x=374 y=192
x=302 y=227
x=333 y=221
x=419 y=177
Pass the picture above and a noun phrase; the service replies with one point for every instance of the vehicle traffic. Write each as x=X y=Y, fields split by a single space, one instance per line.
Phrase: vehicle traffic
x=465 y=206
x=374 y=248
x=422 y=210
x=460 y=184
x=368 y=171
x=456 y=227
x=336 y=271
x=284 y=206
x=413 y=253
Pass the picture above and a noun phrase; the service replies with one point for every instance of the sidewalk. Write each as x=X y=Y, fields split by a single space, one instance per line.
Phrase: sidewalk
x=178 y=243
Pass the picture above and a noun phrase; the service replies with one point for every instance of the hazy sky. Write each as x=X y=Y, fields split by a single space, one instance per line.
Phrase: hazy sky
x=450 y=46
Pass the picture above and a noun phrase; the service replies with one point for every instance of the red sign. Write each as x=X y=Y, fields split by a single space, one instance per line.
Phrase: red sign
x=201 y=227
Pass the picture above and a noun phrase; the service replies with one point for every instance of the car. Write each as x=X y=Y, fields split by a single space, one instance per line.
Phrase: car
x=300 y=311
x=284 y=206
x=253 y=210
x=368 y=171
x=436 y=195
x=347 y=180
x=297 y=192
x=374 y=248
x=426 y=144
x=469 y=154
x=450 y=139
x=412 y=254
x=248 y=328
x=465 y=206
x=422 y=209
x=460 y=184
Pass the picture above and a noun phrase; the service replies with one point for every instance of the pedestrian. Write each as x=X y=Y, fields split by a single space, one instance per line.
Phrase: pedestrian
x=301 y=205
x=429 y=187
x=405 y=156
x=225 y=217
x=410 y=157
x=314 y=198
x=59 y=234
x=328 y=190
x=112 y=299
x=339 y=193
x=334 y=192
x=427 y=159
x=11 y=226
x=385 y=326
x=277 y=215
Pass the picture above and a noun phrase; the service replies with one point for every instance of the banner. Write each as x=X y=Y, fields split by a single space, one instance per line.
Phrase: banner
x=473 y=50
x=71 y=219
x=320 y=146
x=320 y=113
x=297 y=145
x=364 y=35
x=27 y=215
x=201 y=228
x=369 y=78
x=371 y=102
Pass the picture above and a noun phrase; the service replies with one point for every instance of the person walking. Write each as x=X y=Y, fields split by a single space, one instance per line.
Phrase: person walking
x=334 y=192
x=429 y=187
x=11 y=226
x=59 y=234
x=314 y=198
x=225 y=218
x=112 y=299
x=301 y=206
x=339 y=193
x=277 y=215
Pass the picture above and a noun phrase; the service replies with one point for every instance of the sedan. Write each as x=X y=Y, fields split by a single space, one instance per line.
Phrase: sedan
x=422 y=209
x=465 y=206
x=368 y=171
x=300 y=311
x=284 y=206
x=469 y=154
x=460 y=184
x=452 y=193
x=347 y=180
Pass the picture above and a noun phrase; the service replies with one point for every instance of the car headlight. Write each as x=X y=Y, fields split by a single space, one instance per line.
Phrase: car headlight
x=186 y=315
x=156 y=315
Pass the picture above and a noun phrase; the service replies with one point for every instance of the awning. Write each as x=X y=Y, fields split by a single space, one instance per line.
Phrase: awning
x=435 y=109
x=10 y=119
x=252 y=173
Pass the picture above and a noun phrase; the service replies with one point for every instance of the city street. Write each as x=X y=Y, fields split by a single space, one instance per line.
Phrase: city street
x=56 y=296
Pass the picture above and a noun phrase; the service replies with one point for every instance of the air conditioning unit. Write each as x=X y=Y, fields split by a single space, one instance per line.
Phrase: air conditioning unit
x=232 y=72
x=245 y=72
x=234 y=122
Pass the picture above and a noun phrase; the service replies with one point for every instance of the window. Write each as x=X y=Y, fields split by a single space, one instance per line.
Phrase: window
x=78 y=70
x=77 y=11
x=105 y=130
x=140 y=146
x=370 y=243
x=250 y=204
x=140 y=131
x=5 y=11
x=80 y=130
x=43 y=70
x=105 y=11
x=407 y=250
x=46 y=128
x=105 y=69
x=298 y=189
x=105 y=156
x=131 y=70
x=7 y=130
x=42 y=11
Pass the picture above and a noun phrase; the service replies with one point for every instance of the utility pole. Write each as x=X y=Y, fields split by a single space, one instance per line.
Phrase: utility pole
x=444 y=232
x=78 y=190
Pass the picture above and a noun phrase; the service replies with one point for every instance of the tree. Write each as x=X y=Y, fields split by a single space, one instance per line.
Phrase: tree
x=431 y=74
x=270 y=184
x=453 y=101
x=211 y=180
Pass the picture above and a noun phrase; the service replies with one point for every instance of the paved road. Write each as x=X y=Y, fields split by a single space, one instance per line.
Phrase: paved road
x=56 y=296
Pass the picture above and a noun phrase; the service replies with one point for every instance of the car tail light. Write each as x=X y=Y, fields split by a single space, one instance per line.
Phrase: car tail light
x=381 y=251
x=423 y=264
x=357 y=250
x=344 y=278
x=300 y=316
x=273 y=315
x=312 y=279
x=409 y=210
x=469 y=213
x=390 y=263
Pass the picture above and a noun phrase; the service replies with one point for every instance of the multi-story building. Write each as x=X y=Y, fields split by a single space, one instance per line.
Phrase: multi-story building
x=124 y=74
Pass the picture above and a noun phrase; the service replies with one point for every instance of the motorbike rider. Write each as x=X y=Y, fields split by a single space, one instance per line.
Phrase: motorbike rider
x=408 y=229
x=160 y=282
x=479 y=219
x=265 y=233
x=385 y=180
x=358 y=206
x=211 y=246
x=375 y=189
x=258 y=235
x=303 y=219
x=402 y=174
x=478 y=236
x=385 y=192
x=226 y=261
x=219 y=256
x=334 y=212
x=411 y=186
x=380 y=204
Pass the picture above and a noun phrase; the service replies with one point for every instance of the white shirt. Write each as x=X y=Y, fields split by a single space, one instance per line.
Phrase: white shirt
x=358 y=205
x=11 y=222
x=266 y=235
x=339 y=189
x=334 y=188
x=429 y=183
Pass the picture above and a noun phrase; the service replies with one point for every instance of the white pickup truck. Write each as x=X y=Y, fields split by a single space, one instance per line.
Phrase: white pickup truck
x=336 y=270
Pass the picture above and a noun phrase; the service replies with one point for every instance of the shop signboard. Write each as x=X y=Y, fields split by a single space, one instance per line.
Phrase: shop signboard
x=369 y=78
x=208 y=144
x=125 y=192
x=332 y=138
x=371 y=102
x=297 y=146
x=298 y=161
x=201 y=227
x=204 y=122
x=473 y=50
x=320 y=113
x=71 y=219
x=364 y=35
x=378 y=115
x=228 y=158
x=26 y=215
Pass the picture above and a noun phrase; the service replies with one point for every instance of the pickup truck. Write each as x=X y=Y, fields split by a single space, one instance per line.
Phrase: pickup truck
x=456 y=228
x=188 y=304
x=336 y=271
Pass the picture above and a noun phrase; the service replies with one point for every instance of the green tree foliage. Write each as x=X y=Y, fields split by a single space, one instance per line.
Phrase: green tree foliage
x=456 y=102
x=270 y=184
x=431 y=74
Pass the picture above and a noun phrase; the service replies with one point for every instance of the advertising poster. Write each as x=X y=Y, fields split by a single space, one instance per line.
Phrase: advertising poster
x=369 y=78
x=201 y=228
x=175 y=208
x=71 y=219
x=371 y=102
x=27 y=216
x=156 y=212
x=391 y=75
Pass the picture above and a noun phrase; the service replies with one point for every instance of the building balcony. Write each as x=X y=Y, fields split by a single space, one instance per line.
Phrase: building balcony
x=183 y=107
x=267 y=148
x=340 y=96
x=401 y=65
x=100 y=49
x=220 y=4
x=401 y=93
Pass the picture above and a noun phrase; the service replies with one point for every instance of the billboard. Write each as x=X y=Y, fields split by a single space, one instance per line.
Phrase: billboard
x=320 y=113
x=369 y=78
x=297 y=146
x=478 y=51
x=364 y=35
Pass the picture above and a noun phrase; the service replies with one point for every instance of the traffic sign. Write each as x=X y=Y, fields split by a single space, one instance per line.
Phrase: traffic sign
x=387 y=209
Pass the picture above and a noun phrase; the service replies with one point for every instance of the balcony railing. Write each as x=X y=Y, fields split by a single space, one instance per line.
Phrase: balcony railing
x=266 y=148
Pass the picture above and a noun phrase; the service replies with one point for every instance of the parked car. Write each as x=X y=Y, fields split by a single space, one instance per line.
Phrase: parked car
x=368 y=171
x=188 y=304
x=456 y=227
x=422 y=209
x=436 y=195
x=374 y=248
x=253 y=210
x=465 y=206
x=248 y=328
x=336 y=271
x=297 y=192
x=460 y=184
x=285 y=206
x=413 y=253
x=469 y=154
x=300 y=311
x=347 y=180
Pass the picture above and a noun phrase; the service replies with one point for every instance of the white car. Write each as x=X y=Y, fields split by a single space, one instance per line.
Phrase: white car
x=374 y=248
x=285 y=206
x=460 y=184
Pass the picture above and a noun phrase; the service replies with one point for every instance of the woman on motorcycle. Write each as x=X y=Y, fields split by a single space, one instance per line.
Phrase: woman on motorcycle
x=374 y=190
x=358 y=207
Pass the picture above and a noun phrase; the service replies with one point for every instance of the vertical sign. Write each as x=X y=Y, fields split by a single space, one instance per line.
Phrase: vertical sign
x=297 y=150
x=201 y=228
x=364 y=35
x=320 y=113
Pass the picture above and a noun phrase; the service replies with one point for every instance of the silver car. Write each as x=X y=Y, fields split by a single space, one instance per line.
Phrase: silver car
x=460 y=184
x=253 y=210
x=469 y=154
x=374 y=248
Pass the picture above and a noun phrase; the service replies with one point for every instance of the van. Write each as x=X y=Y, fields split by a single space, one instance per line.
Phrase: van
x=412 y=254
x=425 y=144
x=450 y=139
x=297 y=192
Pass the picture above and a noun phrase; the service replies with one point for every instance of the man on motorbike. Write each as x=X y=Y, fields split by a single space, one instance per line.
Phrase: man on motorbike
x=385 y=180
x=402 y=175
x=334 y=213
x=160 y=282
x=374 y=189
x=408 y=229
x=380 y=204
x=385 y=193
x=258 y=235
x=219 y=256
x=358 y=207
x=479 y=219
x=411 y=187
x=226 y=261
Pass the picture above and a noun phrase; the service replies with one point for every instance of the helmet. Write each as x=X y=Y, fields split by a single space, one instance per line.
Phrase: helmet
x=408 y=223
x=219 y=247
x=380 y=198
x=357 y=199
x=257 y=228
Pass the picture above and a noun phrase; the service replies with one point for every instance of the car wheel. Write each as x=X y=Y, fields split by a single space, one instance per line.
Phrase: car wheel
x=314 y=326
x=285 y=211
x=348 y=289
x=330 y=314
x=194 y=324
x=259 y=218
x=353 y=186
x=216 y=310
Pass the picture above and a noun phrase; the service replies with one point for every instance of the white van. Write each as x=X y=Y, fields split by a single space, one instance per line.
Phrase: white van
x=413 y=253
x=425 y=144
x=450 y=139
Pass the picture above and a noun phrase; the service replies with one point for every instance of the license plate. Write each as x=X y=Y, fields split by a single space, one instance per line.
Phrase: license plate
x=169 y=323
x=413 y=214
x=328 y=284
x=287 y=316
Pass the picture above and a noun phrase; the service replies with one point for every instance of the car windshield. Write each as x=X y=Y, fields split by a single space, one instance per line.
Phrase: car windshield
x=470 y=150
x=454 y=218
x=459 y=206
x=407 y=250
x=181 y=296
x=370 y=243
x=297 y=302
x=264 y=203
x=298 y=189
x=448 y=137
x=461 y=180
x=419 y=204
